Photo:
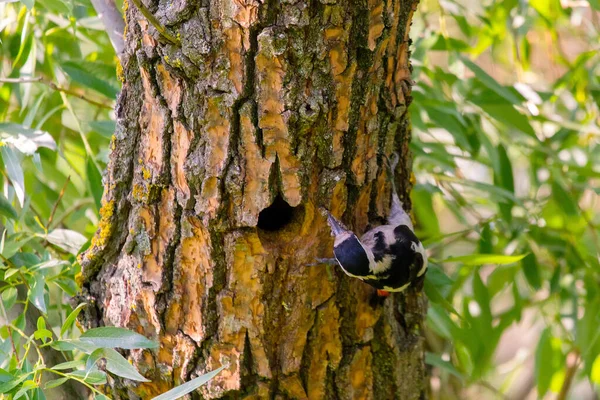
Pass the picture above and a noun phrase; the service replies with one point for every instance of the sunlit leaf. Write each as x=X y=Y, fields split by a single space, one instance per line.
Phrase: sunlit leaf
x=118 y=365
x=9 y=297
x=24 y=139
x=188 y=387
x=481 y=259
x=36 y=293
x=111 y=337
x=12 y=162
x=67 y=240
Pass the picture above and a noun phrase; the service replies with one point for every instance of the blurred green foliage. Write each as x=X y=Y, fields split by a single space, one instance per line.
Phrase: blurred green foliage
x=57 y=91
x=506 y=143
x=506 y=137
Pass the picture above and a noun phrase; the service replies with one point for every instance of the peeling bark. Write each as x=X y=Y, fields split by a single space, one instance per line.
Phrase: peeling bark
x=287 y=103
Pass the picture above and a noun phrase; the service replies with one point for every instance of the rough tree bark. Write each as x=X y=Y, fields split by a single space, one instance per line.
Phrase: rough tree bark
x=229 y=140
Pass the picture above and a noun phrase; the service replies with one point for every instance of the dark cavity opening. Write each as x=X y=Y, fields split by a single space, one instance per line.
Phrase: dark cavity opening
x=276 y=216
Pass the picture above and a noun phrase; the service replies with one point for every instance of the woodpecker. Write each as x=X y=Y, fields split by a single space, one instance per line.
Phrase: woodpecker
x=389 y=257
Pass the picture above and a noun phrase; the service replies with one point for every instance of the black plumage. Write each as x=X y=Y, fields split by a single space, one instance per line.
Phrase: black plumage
x=389 y=257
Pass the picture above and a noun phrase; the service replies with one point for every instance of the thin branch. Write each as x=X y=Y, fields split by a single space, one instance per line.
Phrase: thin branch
x=60 y=196
x=152 y=19
x=492 y=389
x=113 y=22
x=54 y=86
x=572 y=366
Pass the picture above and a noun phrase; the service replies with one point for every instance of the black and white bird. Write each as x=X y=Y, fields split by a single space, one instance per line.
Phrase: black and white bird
x=389 y=257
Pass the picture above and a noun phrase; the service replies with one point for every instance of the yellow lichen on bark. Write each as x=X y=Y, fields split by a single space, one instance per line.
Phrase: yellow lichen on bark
x=241 y=309
x=343 y=74
x=233 y=43
x=272 y=118
x=255 y=171
x=327 y=353
x=360 y=376
x=192 y=279
x=376 y=25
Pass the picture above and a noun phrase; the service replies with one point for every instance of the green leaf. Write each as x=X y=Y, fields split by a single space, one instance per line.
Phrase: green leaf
x=564 y=199
x=595 y=374
x=490 y=82
x=531 y=270
x=424 y=211
x=67 y=240
x=105 y=128
x=111 y=337
x=93 y=377
x=42 y=334
x=55 y=383
x=189 y=387
x=90 y=363
x=504 y=178
x=71 y=319
x=7 y=209
x=28 y=3
x=434 y=295
x=481 y=259
x=7 y=386
x=548 y=361
x=85 y=78
x=94 y=182
x=36 y=293
x=436 y=361
x=439 y=320
x=69 y=345
x=12 y=162
x=118 y=365
x=507 y=115
x=69 y=365
x=9 y=297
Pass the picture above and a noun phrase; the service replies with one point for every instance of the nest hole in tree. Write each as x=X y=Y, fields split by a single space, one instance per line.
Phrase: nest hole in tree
x=276 y=216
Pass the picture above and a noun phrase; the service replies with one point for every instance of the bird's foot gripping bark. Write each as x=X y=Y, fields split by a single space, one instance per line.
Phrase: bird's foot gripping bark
x=321 y=261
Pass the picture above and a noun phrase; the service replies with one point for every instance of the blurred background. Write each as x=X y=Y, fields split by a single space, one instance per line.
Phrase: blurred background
x=506 y=160
x=506 y=136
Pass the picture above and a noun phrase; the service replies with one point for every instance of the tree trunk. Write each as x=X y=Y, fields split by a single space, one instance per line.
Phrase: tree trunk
x=230 y=138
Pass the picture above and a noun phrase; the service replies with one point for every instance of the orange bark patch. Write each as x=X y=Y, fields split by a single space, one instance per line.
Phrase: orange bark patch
x=359 y=375
x=153 y=262
x=192 y=279
x=292 y=387
x=152 y=123
x=233 y=44
x=272 y=119
x=361 y=218
x=170 y=88
x=240 y=305
x=179 y=151
x=376 y=25
x=328 y=352
x=209 y=199
x=256 y=174
x=217 y=136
